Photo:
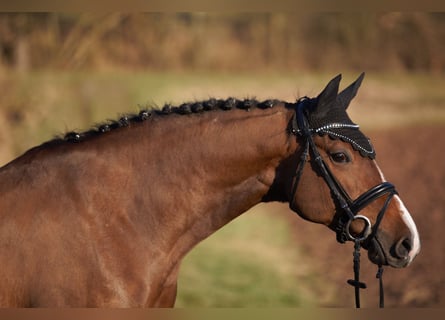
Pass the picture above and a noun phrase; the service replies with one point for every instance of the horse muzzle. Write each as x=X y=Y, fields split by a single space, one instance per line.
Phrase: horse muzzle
x=383 y=251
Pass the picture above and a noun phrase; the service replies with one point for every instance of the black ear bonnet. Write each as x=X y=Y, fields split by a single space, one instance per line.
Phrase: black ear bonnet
x=326 y=114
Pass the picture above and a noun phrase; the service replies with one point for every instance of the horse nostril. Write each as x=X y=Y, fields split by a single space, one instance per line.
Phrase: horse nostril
x=403 y=247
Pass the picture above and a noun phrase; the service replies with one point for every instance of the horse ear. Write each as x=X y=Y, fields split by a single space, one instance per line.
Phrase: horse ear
x=328 y=96
x=345 y=97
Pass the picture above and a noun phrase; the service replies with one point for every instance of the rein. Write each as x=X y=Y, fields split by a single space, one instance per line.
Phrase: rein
x=349 y=209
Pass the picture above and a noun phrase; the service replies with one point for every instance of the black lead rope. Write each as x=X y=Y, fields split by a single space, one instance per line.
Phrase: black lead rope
x=361 y=285
x=356 y=282
x=379 y=276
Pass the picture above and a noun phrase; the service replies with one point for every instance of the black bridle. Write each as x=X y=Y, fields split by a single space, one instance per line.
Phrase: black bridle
x=348 y=208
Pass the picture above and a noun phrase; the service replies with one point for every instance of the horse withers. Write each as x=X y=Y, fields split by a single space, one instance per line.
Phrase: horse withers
x=104 y=217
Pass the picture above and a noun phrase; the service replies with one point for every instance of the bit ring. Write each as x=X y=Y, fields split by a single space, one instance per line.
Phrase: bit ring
x=364 y=234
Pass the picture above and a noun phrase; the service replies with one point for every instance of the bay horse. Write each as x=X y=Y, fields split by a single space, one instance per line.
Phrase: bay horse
x=104 y=217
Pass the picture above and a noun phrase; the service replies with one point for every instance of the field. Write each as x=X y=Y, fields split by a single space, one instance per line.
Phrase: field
x=268 y=257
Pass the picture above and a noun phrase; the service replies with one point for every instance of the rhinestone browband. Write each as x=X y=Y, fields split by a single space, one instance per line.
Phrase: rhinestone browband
x=327 y=129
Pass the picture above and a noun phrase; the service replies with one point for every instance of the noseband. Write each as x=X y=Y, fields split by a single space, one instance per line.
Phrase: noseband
x=348 y=208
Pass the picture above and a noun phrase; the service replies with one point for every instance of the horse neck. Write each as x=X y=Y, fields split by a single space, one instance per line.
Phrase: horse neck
x=215 y=166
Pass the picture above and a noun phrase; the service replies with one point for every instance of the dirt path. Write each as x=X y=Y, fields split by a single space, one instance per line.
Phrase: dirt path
x=411 y=158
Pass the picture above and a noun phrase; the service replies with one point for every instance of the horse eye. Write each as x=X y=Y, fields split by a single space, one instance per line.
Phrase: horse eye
x=340 y=157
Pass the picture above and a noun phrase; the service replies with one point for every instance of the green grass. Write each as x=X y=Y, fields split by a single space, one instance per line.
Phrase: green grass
x=247 y=263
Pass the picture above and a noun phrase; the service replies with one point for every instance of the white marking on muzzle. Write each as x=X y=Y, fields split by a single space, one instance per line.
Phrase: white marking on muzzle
x=412 y=228
x=406 y=217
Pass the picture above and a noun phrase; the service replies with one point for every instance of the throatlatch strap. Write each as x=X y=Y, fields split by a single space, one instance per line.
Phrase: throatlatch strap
x=299 y=172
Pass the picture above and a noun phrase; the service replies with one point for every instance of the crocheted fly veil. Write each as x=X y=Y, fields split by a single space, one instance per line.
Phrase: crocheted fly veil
x=326 y=114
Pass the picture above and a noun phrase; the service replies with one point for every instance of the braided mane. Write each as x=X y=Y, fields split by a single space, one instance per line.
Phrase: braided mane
x=183 y=109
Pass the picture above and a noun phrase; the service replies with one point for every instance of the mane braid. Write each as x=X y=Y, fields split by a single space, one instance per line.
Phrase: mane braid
x=183 y=109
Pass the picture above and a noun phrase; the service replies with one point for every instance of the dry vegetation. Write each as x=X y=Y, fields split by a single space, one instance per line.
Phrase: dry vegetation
x=232 y=42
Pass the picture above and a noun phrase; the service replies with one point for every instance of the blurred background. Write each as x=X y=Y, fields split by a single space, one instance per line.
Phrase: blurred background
x=68 y=71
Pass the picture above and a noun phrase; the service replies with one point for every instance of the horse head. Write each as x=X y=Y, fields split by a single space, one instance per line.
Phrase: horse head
x=342 y=185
